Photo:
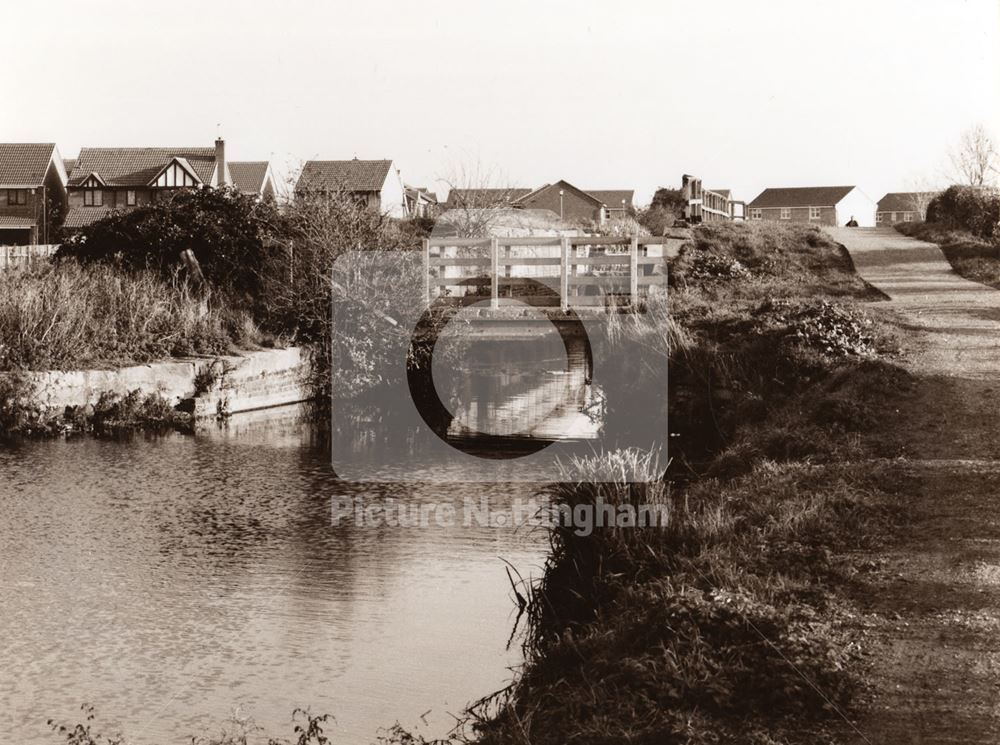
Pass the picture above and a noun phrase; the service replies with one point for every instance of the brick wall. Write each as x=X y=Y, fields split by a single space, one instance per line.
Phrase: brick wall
x=828 y=215
x=575 y=207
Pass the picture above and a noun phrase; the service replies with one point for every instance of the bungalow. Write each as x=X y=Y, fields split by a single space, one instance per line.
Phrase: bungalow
x=120 y=178
x=814 y=205
x=563 y=199
x=373 y=183
x=566 y=200
x=493 y=198
x=901 y=207
x=618 y=203
x=32 y=192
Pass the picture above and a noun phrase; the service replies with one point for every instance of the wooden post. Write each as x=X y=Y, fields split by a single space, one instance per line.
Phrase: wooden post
x=564 y=273
x=427 y=272
x=633 y=271
x=495 y=273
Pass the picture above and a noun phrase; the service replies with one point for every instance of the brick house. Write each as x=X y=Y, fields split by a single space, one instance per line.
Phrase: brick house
x=253 y=177
x=104 y=179
x=814 y=205
x=492 y=198
x=32 y=193
x=618 y=203
x=568 y=202
x=375 y=184
x=900 y=206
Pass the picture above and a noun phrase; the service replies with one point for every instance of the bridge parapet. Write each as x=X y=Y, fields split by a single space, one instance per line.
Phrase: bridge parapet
x=567 y=272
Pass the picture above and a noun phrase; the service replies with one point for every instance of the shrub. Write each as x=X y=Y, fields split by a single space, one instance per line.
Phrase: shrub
x=833 y=330
x=230 y=234
x=970 y=208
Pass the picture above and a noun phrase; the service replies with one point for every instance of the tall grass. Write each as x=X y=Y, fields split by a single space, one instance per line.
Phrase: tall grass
x=68 y=316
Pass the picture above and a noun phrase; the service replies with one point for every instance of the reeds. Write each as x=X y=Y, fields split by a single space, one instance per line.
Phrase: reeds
x=67 y=316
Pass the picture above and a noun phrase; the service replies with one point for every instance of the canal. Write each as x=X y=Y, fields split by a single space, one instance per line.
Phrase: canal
x=168 y=579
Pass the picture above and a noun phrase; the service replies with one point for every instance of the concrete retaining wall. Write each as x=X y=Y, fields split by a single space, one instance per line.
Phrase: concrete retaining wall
x=254 y=380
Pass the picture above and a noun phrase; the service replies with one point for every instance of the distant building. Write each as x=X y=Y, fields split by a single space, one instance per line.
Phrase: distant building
x=708 y=205
x=561 y=198
x=900 y=206
x=814 y=205
x=618 y=203
x=32 y=193
x=372 y=183
x=420 y=202
x=565 y=200
x=484 y=198
x=253 y=177
x=122 y=178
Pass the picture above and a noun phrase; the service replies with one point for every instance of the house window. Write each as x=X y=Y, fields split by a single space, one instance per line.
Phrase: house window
x=892 y=216
x=907 y=217
x=93 y=197
x=786 y=213
x=878 y=217
x=130 y=197
x=755 y=213
x=814 y=213
x=17 y=196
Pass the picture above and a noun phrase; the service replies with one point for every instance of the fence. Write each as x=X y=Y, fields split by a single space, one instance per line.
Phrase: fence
x=20 y=256
x=583 y=270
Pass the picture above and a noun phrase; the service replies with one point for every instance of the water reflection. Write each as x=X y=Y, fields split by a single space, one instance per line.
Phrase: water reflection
x=166 y=578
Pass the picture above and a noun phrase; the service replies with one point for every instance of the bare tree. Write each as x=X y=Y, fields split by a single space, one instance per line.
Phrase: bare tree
x=974 y=161
x=921 y=192
x=478 y=196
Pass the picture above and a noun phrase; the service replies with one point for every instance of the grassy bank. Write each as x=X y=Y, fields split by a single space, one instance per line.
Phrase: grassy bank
x=729 y=624
x=974 y=258
x=67 y=316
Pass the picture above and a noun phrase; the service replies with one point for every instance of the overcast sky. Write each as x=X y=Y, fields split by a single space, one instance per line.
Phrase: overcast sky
x=603 y=94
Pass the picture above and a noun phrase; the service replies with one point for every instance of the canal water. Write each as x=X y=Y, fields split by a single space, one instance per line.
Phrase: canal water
x=168 y=579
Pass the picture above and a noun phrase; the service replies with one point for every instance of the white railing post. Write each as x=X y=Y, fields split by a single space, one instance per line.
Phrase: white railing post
x=633 y=271
x=495 y=273
x=427 y=272
x=564 y=273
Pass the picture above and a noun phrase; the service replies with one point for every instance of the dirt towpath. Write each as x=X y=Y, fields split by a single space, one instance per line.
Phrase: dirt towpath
x=934 y=599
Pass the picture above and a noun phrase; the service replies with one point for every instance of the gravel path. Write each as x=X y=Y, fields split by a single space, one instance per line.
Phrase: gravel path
x=957 y=322
x=933 y=602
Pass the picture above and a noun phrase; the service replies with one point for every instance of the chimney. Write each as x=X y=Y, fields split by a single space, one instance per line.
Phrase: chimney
x=220 y=162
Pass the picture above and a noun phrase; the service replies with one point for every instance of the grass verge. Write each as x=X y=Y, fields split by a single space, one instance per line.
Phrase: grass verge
x=971 y=257
x=728 y=623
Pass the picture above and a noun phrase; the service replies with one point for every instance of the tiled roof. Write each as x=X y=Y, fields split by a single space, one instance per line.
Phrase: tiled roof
x=804 y=196
x=344 y=175
x=484 y=197
x=248 y=175
x=898 y=201
x=24 y=164
x=530 y=198
x=612 y=198
x=10 y=221
x=80 y=217
x=68 y=164
x=136 y=166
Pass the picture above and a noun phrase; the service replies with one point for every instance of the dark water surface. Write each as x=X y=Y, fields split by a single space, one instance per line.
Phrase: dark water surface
x=165 y=579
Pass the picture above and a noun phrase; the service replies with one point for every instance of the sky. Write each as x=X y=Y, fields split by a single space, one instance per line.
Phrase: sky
x=607 y=95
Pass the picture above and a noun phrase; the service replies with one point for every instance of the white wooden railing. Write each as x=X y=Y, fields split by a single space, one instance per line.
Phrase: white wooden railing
x=17 y=256
x=584 y=270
